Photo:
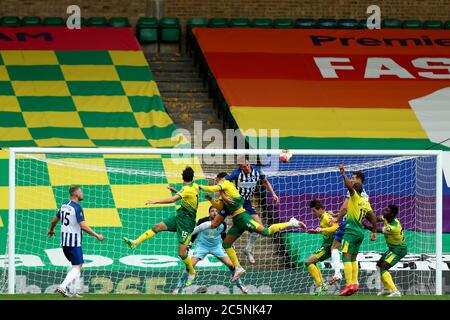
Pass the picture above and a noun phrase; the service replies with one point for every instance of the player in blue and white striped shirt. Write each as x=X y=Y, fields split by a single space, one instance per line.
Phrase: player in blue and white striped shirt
x=72 y=225
x=246 y=177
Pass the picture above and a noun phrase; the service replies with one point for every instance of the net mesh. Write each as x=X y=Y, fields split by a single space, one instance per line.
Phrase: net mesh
x=116 y=188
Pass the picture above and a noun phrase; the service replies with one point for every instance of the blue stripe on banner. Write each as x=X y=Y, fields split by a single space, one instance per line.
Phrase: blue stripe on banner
x=70 y=240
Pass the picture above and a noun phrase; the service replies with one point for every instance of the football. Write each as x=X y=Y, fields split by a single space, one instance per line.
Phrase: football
x=285 y=155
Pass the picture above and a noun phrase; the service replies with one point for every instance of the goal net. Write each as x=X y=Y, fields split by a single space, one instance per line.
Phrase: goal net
x=117 y=183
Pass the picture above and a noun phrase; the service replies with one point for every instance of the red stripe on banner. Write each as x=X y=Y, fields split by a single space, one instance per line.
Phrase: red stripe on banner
x=61 y=38
x=248 y=65
x=319 y=41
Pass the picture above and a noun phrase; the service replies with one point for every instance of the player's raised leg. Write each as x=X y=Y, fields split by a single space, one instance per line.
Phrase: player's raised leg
x=150 y=233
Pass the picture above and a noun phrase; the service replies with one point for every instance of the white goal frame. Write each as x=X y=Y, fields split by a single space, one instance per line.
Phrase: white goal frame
x=12 y=183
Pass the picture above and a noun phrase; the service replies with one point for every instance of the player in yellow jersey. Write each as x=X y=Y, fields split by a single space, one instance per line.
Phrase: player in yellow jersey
x=183 y=222
x=327 y=228
x=395 y=240
x=358 y=209
x=231 y=203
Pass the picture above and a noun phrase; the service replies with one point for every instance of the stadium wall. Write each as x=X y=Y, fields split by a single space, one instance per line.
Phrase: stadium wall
x=184 y=9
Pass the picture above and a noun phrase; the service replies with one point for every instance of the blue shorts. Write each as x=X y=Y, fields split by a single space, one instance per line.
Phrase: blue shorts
x=217 y=251
x=74 y=255
x=339 y=234
x=248 y=207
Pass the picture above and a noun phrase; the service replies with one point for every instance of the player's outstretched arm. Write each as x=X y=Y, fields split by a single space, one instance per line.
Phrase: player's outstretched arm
x=373 y=219
x=53 y=224
x=172 y=189
x=218 y=204
x=164 y=201
x=347 y=181
x=368 y=226
x=209 y=224
x=270 y=188
x=88 y=230
x=215 y=188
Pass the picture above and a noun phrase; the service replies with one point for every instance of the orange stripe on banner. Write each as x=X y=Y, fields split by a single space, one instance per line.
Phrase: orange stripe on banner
x=330 y=93
x=339 y=41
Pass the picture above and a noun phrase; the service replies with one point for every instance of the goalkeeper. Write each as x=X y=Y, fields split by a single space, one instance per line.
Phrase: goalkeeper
x=231 y=203
x=209 y=242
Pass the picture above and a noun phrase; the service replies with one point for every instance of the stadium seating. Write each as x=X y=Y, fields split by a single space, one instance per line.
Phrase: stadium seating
x=327 y=23
x=10 y=21
x=239 y=23
x=54 y=22
x=283 y=23
x=432 y=24
x=97 y=22
x=262 y=23
x=147 y=30
x=218 y=23
x=118 y=22
x=347 y=24
x=305 y=23
x=193 y=23
x=170 y=31
x=391 y=24
x=31 y=21
x=412 y=24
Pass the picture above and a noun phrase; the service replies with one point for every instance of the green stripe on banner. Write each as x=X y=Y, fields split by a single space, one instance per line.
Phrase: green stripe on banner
x=119 y=178
x=95 y=88
x=107 y=119
x=156 y=133
x=46 y=103
x=91 y=198
x=145 y=104
x=6 y=88
x=28 y=169
x=350 y=143
x=36 y=73
x=84 y=57
x=17 y=143
x=121 y=143
x=133 y=73
x=4 y=172
x=57 y=132
x=11 y=119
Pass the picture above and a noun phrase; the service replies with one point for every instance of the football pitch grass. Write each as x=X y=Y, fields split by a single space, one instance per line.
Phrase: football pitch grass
x=229 y=297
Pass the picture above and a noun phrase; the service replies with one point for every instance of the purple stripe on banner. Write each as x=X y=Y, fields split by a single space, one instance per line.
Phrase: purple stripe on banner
x=446 y=214
x=415 y=212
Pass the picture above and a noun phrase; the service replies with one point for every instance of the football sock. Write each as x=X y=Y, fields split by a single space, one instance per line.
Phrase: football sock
x=71 y=276
x=355 y=272
x=232 y=255
x=315 y=273
x=278 y=227
x=145 y=236
x=336 y=260
x=388 y=280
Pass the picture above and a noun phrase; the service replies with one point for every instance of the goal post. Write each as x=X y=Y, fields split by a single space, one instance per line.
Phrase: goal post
x=315 y=169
